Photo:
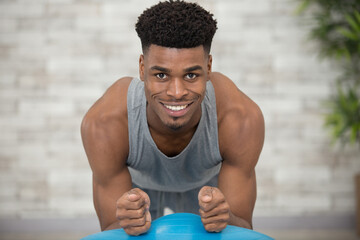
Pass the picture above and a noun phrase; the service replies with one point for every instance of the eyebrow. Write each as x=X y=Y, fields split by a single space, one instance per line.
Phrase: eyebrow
x=161 y=69
x=194 y=68
x=166 y=70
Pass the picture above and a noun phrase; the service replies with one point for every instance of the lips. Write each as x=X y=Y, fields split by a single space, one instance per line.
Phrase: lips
x=176 y=110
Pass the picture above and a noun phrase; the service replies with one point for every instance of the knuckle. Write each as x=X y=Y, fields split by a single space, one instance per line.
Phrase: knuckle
x=201 y=211
x=136 y=205
x=223 y=226
x=131 y=231
x=223 y=218
x=138 y=190
x=124 y=224
x=227 y=217
x=140 y=212
x=205 y=221
x=120 y=214
x=139 y=203
x=142 y=229
x=209 y=227
x=224 y=209
x=119 y=203
x=204 y=206
x=137 y=227
x=141 y=221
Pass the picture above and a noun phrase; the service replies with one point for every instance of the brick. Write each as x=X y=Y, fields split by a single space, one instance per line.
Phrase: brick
x=344 y=203
x=71 y=207
x=16 y=10
x=45 y=24
x=303 y=203
x=89 y=24
x=34 y=152
x=8 y=191
x=8 y=39
x=70 y=182
x=9 y=208
x=36 y=192
x=71 y=65
x=69 y=10
x=117 y=38
x=116 y=9
x=59 y=39
x=8 y=25
x=31 y=38
x=17 y=123
x=22 y=66
x=8 y=136
x=45 y=108
x=306 y=90
x=73 y=91
x=296 y=175
x=246 y=7
x=9 y=107
x=7 y=80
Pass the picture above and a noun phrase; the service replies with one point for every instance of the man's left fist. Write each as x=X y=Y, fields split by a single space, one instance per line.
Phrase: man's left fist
x=214 y=210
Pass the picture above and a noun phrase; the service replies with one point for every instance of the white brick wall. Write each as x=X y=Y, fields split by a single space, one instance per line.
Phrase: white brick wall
x=58 y=57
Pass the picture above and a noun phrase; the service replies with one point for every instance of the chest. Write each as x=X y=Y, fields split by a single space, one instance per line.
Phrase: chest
x=171 y=145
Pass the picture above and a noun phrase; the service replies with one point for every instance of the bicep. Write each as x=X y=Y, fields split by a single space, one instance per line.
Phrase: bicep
x=106 y=149
x=241 y=140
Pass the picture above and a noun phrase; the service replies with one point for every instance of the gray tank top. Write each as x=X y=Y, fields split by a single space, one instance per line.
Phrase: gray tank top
x=199 y=162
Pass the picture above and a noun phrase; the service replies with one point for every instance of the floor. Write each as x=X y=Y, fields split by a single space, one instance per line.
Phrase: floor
x=278 y=235
x=313 y=235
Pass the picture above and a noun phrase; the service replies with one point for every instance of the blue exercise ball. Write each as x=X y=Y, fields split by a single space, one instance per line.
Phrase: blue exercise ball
x=181 y=226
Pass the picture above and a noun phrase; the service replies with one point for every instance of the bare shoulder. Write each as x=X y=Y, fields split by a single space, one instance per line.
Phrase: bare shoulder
x=104 y=130
x=112 y=103
x=240 y=122
x=231 y=100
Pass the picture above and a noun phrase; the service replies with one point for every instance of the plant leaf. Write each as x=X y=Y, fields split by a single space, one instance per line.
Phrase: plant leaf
x=352 y=23
x=346 y=33
x=302 y=7
x=357 y=15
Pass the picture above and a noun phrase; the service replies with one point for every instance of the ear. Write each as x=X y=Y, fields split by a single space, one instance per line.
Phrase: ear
x=141 y=67
x=209 y=64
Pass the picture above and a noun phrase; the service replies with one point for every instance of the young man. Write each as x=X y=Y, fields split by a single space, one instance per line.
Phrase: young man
x=181 y=136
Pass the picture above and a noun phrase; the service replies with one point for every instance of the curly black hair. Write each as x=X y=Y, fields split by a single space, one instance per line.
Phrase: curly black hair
x=176 y=24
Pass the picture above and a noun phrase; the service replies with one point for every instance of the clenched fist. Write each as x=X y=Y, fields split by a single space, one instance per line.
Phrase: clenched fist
x=214 y=210
x=132 y=211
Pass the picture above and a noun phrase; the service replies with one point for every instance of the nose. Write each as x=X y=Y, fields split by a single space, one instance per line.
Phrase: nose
x=176 y=88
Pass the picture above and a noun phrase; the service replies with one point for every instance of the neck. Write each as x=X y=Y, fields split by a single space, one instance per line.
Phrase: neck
x=172 y=142
x=159 y=128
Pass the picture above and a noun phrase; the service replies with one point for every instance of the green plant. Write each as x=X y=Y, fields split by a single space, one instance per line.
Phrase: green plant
x=336 y=27
x=344 y=119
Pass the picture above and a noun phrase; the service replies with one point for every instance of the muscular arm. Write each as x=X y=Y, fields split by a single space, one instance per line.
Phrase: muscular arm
x=105 y=139
x=241 y=137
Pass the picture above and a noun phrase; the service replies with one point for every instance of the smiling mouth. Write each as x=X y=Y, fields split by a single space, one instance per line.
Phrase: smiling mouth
x=176 y=108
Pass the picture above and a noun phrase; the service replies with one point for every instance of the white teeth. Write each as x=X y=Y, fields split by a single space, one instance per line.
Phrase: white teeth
x=175 y=108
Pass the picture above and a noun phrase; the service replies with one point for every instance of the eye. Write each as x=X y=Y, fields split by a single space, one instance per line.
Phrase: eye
x=191 y=76
x=160 y=75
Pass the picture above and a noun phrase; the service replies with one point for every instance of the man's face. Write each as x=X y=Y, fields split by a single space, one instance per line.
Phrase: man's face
x=175 y=84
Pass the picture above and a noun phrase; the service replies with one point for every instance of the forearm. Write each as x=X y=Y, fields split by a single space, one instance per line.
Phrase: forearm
x=114 y=225
x=238 y=221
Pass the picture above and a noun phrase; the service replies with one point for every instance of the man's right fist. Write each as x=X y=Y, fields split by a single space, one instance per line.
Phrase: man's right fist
x=132 y=211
